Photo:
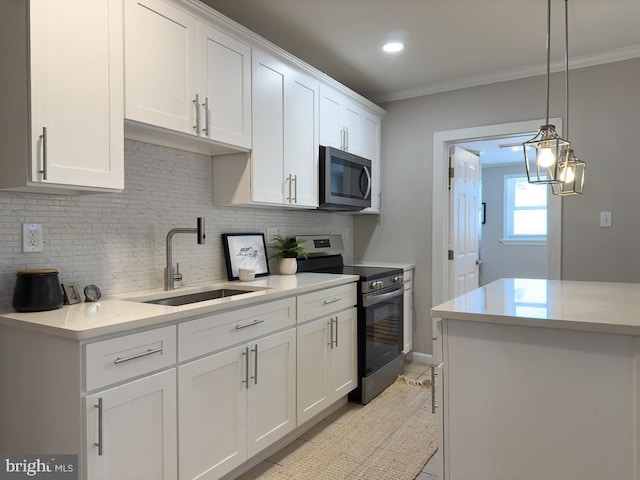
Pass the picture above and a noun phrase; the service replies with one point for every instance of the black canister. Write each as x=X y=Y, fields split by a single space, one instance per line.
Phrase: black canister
x=37 y=291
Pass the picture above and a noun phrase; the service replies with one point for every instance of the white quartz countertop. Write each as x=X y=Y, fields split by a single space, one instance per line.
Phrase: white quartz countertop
x=588 y=306
x=124 y=312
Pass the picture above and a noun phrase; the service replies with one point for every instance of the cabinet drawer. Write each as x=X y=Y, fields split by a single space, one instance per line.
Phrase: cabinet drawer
x=117 y=359
x=208 y=334
x=316 y=304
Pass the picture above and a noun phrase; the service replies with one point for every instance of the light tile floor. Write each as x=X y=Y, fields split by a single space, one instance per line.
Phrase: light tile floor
x=416 y=371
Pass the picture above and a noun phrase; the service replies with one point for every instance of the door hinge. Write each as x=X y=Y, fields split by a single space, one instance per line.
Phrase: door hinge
x=450 y=254
x=452 y=172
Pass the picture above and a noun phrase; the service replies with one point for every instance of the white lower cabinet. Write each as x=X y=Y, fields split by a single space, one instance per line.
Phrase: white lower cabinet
x=327 y=349
x=131 y=430
x=235 y=403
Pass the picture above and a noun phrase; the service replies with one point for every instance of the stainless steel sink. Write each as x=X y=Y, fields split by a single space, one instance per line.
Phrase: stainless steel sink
x=197 y=297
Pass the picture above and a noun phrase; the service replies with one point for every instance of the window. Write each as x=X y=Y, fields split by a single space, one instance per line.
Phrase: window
x=525 y=211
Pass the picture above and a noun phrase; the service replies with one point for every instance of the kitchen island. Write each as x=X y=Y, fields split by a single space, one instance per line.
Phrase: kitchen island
x=539 y=380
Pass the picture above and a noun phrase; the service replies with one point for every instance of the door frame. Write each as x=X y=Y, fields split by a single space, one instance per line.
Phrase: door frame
x=440 y=287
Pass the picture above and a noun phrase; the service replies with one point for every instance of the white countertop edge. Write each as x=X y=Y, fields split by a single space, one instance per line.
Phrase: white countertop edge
x=601 y=307
x=144 y=315
x=402 y=265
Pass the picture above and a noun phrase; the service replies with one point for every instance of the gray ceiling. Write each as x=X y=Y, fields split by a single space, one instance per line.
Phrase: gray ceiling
x=449 y=43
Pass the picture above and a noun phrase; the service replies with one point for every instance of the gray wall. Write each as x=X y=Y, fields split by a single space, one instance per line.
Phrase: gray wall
x=500 y=260
x=117 y=240
x=604 y=128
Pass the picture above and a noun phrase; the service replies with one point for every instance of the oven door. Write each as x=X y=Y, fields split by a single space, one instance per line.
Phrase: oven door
x=381 y=325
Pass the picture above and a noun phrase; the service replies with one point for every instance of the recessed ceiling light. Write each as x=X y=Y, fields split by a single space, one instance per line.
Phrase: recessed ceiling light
x=393 y=47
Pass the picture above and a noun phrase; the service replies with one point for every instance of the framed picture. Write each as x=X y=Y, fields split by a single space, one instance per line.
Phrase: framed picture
x=245 y=250
x=71 y=293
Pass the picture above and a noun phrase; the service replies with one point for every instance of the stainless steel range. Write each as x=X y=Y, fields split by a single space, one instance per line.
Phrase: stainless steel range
x=380 y=335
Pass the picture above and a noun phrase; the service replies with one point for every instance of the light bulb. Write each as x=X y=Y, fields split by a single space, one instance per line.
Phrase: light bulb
x=568 y=174
x=546 y=158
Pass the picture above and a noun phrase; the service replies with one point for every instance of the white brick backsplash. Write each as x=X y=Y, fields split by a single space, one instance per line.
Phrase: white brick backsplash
x=117 y=240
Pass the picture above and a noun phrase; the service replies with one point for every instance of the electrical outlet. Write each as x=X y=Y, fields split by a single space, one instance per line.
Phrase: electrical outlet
x=271 y=232
x=605 y=219
x=31 y=237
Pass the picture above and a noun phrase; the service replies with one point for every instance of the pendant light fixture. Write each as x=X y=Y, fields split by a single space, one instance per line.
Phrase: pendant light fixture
x=543 y=152
x=571 y=170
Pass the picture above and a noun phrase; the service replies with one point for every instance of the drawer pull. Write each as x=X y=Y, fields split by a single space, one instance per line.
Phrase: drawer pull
x=333 y=300
x=137 y=355
x=255 y=322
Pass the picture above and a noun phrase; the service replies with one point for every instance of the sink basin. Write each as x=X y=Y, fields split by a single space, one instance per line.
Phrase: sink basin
x=197 y=297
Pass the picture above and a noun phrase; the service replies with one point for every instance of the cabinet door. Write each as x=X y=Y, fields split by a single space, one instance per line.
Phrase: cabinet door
x=344 y=368
x=370 y=149
x=160 y=65
x=331 y=128
x=407 y=324
x=350 y=115
x=212 y=414
x=76 y=93
x=138 y=434
x=268 y=129
x=313 y=367
x=301 y=134
x=272 y=389
x=225 y=79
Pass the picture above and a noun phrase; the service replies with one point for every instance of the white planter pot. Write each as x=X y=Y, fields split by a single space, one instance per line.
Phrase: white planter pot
x=287 y=266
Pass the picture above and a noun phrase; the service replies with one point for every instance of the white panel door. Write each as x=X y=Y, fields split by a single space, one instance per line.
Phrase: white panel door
x=139 y=430
x=344 y=368
x=272 y=389
x=331 y=128
x=313 y=367
x=213 y=414
x=160 y=65
x=76 y=93
x=465 y=220
x=225 y=78
x=268 y=130
x=301 y=133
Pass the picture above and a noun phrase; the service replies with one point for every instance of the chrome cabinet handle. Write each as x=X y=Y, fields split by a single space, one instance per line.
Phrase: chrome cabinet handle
x=196 y=103
x=245 y=354
x=342 y=138
x=151 y=351
x=207 y=116
x=333 y=300
x=295 y=189
x=288 y=181
x=255 y=322
x=331 y=336
x=44 y=153
x=336 y=332
x=346 y=137
x=255 y=364
x=99 y=443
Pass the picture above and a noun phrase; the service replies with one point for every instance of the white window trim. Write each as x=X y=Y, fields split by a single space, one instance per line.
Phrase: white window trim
x=519 y=240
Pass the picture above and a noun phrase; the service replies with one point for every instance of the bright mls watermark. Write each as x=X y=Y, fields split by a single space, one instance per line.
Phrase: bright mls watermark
x=39 y=467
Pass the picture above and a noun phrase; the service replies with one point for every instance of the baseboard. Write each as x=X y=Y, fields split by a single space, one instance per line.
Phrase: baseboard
x=418 y=357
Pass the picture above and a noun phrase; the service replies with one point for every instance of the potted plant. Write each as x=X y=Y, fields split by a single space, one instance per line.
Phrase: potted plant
x=287 y=250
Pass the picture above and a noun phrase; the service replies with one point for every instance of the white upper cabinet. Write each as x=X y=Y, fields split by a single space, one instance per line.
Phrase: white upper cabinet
x=225 y=83
x=161 y=44
x=185 y=75
x=283 y=166
x=61 y=91
x=349 y=127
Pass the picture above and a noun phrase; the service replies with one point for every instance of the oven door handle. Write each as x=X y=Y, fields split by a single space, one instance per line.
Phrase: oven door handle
x=374 y=299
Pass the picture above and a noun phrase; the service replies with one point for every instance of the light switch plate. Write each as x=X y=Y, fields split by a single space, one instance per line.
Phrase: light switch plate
x=605 y=219
x=271 y=232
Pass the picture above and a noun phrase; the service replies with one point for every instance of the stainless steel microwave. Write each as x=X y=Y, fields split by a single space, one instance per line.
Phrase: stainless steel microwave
x=345 y=180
